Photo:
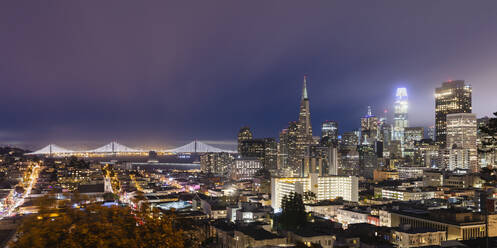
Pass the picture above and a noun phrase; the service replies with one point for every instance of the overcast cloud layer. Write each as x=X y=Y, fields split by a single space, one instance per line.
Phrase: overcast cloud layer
x=169 y=71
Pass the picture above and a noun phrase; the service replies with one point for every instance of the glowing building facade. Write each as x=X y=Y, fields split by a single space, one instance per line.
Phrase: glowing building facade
x=453 y=97
x=461 y=141
x=369 y=128
x=329 y=133
x=400 y=115
x=325 y=187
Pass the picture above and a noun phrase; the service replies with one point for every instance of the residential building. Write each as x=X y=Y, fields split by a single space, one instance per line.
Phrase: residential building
x=324 y=187
x=245 y=168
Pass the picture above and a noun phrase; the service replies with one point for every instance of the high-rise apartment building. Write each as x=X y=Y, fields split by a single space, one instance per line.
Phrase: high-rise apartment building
x=216 y=163
x=324 y=187
x=245 y=168
x=451 y=98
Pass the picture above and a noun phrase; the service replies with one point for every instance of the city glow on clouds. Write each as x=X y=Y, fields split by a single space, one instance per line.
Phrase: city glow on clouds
x=169 y=72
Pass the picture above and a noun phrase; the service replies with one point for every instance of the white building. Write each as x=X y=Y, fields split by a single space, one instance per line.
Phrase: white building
x=461 y=141
x=325 y=187
x=407 y=194
x=352 y=216
x=245 y=168
x=407 y=172
x=400 y=116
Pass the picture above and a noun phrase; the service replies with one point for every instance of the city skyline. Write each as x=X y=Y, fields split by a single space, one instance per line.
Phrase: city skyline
x=219 y=124
x=159 y=86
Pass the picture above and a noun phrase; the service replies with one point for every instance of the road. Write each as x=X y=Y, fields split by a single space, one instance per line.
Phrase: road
x=14 y=200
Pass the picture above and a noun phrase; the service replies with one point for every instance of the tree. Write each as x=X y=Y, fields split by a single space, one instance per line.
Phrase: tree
x=309 y=196
x=97 y=226
x=293 y=215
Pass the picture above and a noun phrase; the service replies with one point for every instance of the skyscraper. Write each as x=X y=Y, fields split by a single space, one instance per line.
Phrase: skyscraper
x=304 y=128
x=411 y=135
x=263 y=149
x=329 y=133
x=369 y=128
x=243 y=135
x=304 y=122
x=400 y=115
x=453 y=97
x=287 y=149
x=461 y=141
x=349 y=157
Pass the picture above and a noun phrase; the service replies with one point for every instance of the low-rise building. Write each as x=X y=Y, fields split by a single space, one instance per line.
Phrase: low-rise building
x=458 y=224
x=382 y=175
x=407 y=194
x=325 y=209
x=407 y=237
x=231 y=235
x=347 y=216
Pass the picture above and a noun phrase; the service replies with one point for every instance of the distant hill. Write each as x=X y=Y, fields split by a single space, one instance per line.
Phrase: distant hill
x=7 y=150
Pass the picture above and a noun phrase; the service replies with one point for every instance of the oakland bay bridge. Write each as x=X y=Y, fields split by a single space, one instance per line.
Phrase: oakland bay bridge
x=114 y=148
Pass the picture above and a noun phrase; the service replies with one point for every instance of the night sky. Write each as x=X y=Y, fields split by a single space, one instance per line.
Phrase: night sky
x=165 y=72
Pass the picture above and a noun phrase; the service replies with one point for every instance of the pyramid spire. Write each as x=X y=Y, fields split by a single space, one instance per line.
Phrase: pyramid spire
x=304 y=90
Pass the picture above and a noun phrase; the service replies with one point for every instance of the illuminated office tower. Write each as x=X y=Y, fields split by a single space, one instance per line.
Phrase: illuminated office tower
x=369 y=128
x=461 y=141
x=243 y=135
x=368 y=160
x=349 y=156
x=322 y=160
x=411 y=136
x=287 y=149
x=263 y=149
x=453 y=97
x=400 y=115
x=329 y=133
x=349 y=140
x=383 y=128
